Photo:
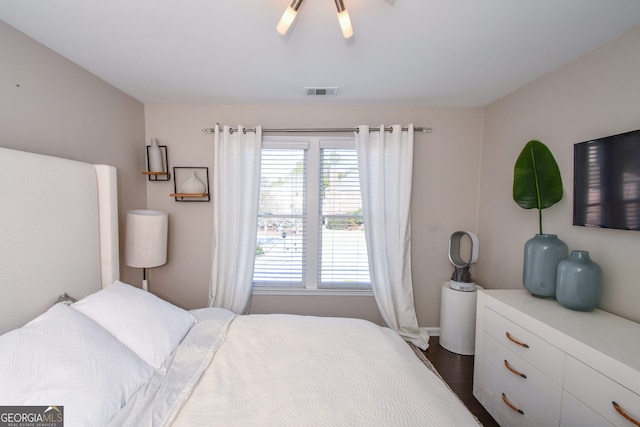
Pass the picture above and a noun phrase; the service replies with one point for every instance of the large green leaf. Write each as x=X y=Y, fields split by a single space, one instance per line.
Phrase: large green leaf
x=537 y=183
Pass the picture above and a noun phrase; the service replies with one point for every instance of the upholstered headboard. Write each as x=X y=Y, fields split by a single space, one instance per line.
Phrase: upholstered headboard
x=58 y=232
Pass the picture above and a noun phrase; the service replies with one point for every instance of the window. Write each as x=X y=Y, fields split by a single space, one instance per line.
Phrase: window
x=310 y=227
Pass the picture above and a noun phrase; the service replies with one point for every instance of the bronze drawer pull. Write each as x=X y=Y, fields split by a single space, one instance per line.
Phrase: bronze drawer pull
x=508 y=366
x=516 y=341
x=511 y=405
x=624 y=414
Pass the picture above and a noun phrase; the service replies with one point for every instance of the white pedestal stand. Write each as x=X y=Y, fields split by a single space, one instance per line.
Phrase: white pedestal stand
x=458 y=320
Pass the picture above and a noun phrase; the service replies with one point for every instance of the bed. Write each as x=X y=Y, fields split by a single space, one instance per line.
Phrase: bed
x=112 y=354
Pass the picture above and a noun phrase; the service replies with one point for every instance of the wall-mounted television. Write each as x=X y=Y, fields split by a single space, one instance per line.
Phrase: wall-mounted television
x=606 y=182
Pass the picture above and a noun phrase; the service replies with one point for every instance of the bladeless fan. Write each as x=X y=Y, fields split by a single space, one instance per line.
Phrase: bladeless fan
x=461 y=279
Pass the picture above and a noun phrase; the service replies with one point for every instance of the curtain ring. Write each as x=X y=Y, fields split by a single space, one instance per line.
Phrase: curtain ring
x=244 y=131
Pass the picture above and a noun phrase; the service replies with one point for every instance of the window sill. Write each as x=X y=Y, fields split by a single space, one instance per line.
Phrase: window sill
x=312 y=292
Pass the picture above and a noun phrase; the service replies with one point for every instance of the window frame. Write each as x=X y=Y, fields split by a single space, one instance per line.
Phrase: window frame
x=313 y=145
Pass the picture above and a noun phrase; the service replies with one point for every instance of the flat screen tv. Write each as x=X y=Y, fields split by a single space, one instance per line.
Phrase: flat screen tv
x=606 y=182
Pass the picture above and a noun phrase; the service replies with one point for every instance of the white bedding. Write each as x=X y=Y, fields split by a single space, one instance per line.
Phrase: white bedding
x=283 y=370
x=64 y=358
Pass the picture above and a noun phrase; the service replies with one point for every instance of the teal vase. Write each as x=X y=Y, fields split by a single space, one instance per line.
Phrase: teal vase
x=579 y=282
x=542 y=254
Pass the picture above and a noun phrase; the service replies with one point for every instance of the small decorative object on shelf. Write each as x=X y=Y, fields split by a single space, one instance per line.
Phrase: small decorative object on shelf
x=191 y=184
x=579 y=282
x=157 y=162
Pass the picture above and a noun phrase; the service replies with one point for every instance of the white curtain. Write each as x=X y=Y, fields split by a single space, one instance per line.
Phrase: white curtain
x=236 y=183
x=385 y=162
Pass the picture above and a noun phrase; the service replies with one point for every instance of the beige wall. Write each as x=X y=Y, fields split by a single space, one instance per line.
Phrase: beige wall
x=594 y=96
x=446 y=173
x=51 y=106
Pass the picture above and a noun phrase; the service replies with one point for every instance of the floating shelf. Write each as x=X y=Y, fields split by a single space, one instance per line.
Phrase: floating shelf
x=159 y=176
x=183 y=174
x=189 y=195
x=155 y=173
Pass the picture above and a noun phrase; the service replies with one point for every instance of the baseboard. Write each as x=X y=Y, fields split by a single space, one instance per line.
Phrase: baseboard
x=432 y=331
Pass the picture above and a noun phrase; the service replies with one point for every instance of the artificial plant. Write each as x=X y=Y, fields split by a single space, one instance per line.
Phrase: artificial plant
x=537 y=183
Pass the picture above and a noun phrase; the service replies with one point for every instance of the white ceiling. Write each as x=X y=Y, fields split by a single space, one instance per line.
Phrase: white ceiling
x=408 y=52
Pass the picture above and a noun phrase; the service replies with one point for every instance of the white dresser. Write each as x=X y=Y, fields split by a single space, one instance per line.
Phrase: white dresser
x=540 y=364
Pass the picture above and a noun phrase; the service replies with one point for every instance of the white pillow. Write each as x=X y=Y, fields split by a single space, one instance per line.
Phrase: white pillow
x=148 y=325
x=64 y=358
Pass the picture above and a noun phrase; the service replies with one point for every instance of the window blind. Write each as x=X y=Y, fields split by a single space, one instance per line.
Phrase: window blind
x=281 y=237
x=343 y=252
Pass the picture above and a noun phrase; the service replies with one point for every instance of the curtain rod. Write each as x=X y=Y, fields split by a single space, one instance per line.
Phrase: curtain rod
x=321 y=130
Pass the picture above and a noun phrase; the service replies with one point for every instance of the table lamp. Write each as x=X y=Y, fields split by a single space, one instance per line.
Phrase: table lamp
x=146 y=240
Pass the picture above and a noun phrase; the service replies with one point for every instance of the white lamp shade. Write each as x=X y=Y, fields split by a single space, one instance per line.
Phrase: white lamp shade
x=146 y=238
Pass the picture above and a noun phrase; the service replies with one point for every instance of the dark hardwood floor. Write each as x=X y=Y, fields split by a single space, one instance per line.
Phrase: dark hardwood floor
x=457 y=371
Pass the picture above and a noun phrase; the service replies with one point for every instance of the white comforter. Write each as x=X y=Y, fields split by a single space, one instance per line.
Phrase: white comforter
x=284 y=370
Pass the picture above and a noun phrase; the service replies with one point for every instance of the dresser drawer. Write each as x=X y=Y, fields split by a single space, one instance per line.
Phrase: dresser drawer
x=598 y=391
x=507 y=403
x=533 y=382
x=577 y=414
x=543 y=356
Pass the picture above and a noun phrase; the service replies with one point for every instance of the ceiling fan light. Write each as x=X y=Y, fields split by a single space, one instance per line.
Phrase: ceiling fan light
x=288 y=17
x=344 y=20
x=345 y=24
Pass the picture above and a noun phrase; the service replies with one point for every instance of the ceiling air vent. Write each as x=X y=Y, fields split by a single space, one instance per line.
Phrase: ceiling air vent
x=321 y=91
